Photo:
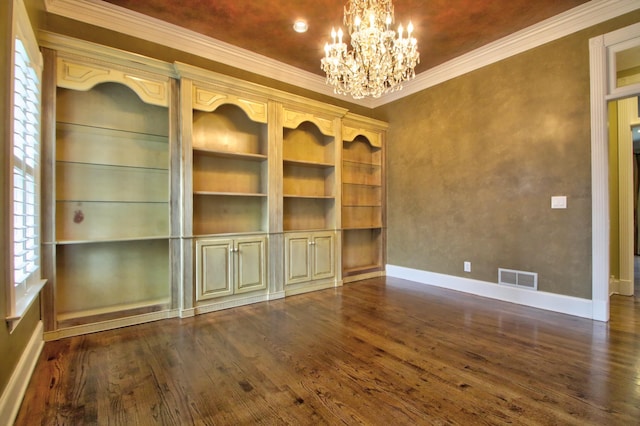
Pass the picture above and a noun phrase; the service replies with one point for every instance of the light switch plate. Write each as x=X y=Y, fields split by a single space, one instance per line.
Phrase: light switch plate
x=559 y=202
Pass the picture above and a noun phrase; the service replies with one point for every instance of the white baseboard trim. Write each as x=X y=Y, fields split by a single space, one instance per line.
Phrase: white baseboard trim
x=614 y=286
x=625 y=287
x=536 y=299
x=17 y=386
x=276 y=295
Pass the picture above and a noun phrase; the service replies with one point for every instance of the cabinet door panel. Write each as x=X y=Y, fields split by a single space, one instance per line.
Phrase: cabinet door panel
x=250 y=259
x=323 y=256
x=297 y=266
x=214 y=272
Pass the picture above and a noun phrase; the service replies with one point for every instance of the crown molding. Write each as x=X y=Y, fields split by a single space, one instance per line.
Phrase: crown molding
x=564 y=24
x=119 y=19
x=116 y=18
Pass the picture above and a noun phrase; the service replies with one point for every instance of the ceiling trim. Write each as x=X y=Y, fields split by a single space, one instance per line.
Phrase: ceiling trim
x=564 y=24
x=125 y=21
x=116 y=18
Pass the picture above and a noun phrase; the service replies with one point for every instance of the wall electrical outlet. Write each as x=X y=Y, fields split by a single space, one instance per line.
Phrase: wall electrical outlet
x=467 y=266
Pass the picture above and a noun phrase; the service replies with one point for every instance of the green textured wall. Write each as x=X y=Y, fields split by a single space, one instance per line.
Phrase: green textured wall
x=473 y=163
x=12 y=345
x=614 y=211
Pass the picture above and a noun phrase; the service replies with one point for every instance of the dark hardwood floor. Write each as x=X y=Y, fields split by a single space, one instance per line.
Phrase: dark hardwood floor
x=375 y=352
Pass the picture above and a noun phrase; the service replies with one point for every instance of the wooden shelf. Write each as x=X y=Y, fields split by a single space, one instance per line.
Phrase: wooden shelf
x=319 y=197
x=111 y=226
x=96 y=131
x=362 y=203
x=84 y=163
x=111 y=240
x=361 y=228
x=110 y=276
x=306 y=163
x=230 y=194
x=361 y=163
x=307 y=145
x=228 y=129
x=224 y=214
x=229 y=172
x=353 y=173
x=302 y=213
x=360 y=150
x=229 y=154
x=362 y=249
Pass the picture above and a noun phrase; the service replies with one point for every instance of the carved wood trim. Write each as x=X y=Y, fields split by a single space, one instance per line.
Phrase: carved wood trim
x=349 y=134
x=292 y=119
x=79 y=76
x=205 y=100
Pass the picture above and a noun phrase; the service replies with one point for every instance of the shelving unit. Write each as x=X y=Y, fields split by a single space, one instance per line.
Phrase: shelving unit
x=308 y=178
x=363 y=217
x=310 y=200
x=111 y=222
x=232 y=193
x=230 y=172
x=226 y=147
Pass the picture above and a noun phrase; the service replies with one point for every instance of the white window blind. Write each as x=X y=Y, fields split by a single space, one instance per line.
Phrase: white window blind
x=24 y=168
x=26 y=137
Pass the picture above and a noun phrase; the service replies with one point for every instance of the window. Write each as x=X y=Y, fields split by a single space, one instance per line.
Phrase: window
x=25 y=167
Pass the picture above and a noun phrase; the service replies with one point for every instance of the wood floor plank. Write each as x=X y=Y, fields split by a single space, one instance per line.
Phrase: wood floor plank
x=375 y=352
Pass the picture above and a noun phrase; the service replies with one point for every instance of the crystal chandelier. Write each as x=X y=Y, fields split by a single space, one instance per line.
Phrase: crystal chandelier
x=379 y=62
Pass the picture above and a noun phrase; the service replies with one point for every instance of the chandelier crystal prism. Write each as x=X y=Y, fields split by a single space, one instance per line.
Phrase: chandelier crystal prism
x=379 y=62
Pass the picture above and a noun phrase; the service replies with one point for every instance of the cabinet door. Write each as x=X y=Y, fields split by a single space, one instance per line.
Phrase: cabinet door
x=214 y=268
x=296 y=260
x=323 y=256
x=250 y=264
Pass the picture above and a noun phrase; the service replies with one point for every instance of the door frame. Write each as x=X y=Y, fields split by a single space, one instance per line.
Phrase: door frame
x=602 y=50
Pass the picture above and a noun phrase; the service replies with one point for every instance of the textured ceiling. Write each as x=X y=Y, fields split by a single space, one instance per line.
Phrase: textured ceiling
x=445 y=29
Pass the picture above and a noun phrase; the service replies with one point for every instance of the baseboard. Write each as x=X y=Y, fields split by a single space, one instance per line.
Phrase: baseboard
x=212 y=305
x=625 y=287
x=536 y=299
x=295 y=289
x=276 y=295
x=109 y=325
x=17 y=386
x=365 y=276
x=614 y=286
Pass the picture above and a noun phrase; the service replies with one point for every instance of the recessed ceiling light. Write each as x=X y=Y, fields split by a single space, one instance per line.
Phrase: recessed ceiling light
x=300 y=26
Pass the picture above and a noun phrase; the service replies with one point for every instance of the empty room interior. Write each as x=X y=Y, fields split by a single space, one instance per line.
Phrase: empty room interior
x=320 y=212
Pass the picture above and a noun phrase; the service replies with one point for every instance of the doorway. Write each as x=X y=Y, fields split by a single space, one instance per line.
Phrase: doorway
x=624 y=152
x=605 y=52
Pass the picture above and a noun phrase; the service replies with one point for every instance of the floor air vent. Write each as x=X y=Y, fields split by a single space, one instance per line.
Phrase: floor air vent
x=522 y=279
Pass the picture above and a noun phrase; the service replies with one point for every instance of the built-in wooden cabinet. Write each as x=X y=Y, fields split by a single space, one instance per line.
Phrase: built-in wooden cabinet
x=311 y=197
x=226 y=149
x=227 y=266
x=230 y=169
x=309 y=259
x=169 y=190
x=363 y=195
x=107 y=210
x=309 y=172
